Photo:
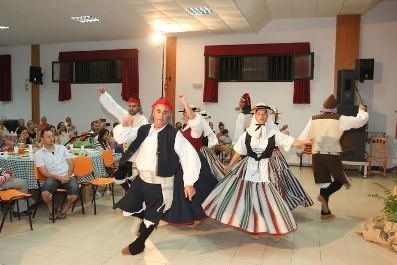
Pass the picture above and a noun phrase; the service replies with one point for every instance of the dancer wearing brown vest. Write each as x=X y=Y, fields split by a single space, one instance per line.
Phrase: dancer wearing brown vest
x=326 y=129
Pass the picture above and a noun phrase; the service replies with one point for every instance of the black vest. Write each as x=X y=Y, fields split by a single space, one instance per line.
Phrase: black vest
x=167 y=158
x=266 y=153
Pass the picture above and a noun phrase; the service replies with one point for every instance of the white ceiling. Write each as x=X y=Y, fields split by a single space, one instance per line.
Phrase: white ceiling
x=48 y=21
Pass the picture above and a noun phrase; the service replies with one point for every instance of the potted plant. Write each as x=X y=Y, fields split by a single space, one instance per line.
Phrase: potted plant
x=383 y=229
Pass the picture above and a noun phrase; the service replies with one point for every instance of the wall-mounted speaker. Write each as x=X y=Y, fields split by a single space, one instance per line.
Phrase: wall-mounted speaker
x=365 y=69
x=35 y=75
x=346 y=87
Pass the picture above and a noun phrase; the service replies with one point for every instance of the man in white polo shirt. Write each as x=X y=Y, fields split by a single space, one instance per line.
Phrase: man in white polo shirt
x=56 y=164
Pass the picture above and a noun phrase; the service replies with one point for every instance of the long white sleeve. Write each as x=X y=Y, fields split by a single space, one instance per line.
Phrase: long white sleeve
x=305 y=133
x=240 y=127
x=112 y=106
x=123 y=134
x=195 y=126
x=350 y=122
x=188 y=158
x=284 y=140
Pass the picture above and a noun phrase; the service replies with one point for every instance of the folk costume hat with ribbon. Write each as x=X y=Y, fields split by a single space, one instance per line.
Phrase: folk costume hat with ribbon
x=193 y=108
x=162 y=101
x=266 y=130
x=205 y=114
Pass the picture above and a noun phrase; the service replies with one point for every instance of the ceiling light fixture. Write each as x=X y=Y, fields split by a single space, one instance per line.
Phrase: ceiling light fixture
x=4 y=27
x=85 y=19
x=199 y=11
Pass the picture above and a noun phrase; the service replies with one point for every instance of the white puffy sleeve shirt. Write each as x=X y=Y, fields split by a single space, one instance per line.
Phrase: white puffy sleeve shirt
x=258 y=171
x=199 y=126
x=112 y=106
x=146 y=158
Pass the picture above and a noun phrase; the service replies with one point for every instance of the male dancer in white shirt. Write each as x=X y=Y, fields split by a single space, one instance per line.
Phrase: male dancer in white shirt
x=157 y=149
x=119 y=113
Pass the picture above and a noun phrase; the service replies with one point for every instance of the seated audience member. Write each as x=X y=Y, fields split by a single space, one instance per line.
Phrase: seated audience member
x=21 y=123
x=103 y=140
x=70 y=127
x=225 y=139
x=8 y=181
x=211 y=126
x=63 y=136
x=5 y=144
x=31 y=130
x=93 y=133
x=56 y=164
x=178 y=125
x=4 y=128
x=22 y=136
x=43 y=124
x=54 y=131
x=221 y=127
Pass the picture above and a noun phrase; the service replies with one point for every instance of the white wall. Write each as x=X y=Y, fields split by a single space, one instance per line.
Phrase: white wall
x=84 y=106
x=321 y=35
x=379 y=41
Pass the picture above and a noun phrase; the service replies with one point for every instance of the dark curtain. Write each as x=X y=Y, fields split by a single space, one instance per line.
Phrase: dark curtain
x=301 y=87
x=5 y=77
x=130 y=73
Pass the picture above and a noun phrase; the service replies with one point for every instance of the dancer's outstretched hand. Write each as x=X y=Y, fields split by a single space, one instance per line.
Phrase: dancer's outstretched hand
x=182 y=98
x=101 y=90
x=127 y=121
x=189 y=192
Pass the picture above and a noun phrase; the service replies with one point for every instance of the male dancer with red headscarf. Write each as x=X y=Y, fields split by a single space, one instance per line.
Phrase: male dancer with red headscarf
x=157 y=149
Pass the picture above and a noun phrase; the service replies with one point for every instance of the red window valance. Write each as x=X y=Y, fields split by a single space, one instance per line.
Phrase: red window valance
x=130 y=73
x=301 y=87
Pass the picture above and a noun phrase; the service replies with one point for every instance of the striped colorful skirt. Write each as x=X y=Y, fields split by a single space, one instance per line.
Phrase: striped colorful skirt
x=216 y=166
x=286 y=183
x=256 y=208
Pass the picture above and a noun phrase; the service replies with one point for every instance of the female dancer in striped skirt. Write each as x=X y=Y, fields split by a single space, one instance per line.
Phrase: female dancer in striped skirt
x=245 y=198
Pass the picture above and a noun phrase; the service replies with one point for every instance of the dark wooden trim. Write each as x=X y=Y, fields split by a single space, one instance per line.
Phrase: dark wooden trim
x=170 y=72
x=347 y=46
x=35 y=61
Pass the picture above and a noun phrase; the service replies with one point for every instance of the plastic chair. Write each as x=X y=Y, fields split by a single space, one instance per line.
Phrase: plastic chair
x=83 y=167
x=10 y=196
x=378 y=153
x=39 y=178
x=108 y=161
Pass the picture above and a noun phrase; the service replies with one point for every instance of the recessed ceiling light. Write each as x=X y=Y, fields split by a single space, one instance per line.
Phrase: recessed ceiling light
x=4 y=27
x=199 y=11
x=85 y=19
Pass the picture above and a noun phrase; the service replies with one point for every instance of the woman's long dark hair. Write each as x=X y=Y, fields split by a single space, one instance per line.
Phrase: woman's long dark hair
x=101 y=134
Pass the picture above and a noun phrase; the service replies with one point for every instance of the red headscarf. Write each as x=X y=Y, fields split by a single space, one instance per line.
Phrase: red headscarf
x=134 y=100
x=162 y=101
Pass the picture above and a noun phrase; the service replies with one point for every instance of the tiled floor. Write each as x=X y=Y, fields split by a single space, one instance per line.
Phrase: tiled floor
x=98 y=239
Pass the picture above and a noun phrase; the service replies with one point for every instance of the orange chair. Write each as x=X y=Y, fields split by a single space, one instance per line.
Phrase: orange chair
x=378 y=153
x=108 y=161
x=7 y=197
x=83 y=167
x=39 y=179
x=306 y=151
